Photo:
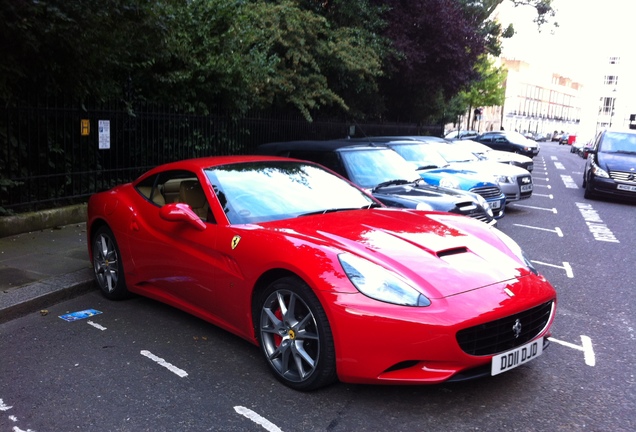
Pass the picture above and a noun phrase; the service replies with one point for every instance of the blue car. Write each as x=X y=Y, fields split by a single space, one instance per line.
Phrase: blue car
x=430 y=166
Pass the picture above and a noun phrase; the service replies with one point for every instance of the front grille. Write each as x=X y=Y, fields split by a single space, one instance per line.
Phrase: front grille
x=498 y=336
x=623 y=176
x=487 y=192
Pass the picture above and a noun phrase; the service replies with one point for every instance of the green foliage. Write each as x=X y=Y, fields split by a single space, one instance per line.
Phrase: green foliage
x=489 y=89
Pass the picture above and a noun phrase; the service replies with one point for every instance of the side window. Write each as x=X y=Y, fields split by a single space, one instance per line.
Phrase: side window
x=501 y=140
x=177 y=187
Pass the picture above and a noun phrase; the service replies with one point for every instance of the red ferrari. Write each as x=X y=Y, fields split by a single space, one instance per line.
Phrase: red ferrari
x=327 y=281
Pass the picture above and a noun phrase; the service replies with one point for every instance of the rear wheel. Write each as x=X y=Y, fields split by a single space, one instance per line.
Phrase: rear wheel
x=107 y=265
x=295 y=336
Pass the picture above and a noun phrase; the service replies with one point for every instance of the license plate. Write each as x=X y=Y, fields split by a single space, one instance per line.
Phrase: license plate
x=516 y=357
x=526 y=188
x=495 y=204
x=626 y=188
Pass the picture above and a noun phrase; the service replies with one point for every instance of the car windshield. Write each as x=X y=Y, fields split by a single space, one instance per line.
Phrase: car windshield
x=422 y=156
x=619 y=142
x=455 y=154
x=254 y=192
x=369 y=168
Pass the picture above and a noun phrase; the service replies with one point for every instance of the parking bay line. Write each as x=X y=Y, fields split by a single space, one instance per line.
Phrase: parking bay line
x=542 y=195
x=162 y=362
x=553 y=210
x=556 y=230
x=258 y=419
x=586 y=347
x=566 y=266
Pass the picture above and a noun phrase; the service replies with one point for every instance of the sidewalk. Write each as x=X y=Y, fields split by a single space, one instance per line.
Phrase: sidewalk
x=41 y=268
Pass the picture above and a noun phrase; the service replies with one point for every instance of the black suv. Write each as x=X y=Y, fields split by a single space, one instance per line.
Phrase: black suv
x=610 y=168
x=384 y=173
x=509 y=141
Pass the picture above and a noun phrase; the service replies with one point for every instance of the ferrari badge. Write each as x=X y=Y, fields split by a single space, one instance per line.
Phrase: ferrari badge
x=235 y=241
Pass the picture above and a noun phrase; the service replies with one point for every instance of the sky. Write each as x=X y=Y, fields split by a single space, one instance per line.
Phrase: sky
x=588 y=30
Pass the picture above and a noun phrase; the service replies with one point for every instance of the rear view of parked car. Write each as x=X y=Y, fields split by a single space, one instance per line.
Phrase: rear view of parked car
x=610 y=169
x=509 y=141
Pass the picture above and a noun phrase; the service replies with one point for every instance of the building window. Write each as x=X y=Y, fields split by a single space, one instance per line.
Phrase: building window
x=606 y=105
x=611 y=80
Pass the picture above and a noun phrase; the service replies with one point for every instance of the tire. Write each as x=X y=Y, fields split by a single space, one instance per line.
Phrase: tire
x=295 y=336
x=108 y=266
x=587 y=190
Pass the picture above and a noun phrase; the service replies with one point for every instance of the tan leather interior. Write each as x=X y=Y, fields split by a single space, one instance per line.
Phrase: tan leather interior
x=157 y=197
x=191 y=193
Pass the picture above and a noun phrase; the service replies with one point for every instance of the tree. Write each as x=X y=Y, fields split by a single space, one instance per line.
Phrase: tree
x=76 y=50
x=488 y=90
x=436 y=45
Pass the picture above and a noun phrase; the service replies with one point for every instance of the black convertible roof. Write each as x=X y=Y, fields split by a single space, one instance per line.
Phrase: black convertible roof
x=278 y=147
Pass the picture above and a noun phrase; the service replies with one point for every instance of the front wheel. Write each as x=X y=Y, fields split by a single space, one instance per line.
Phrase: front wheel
x=295 y=336
x=107 y=265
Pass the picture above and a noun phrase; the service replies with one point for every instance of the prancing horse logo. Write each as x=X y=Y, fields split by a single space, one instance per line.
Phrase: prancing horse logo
x=516 y=329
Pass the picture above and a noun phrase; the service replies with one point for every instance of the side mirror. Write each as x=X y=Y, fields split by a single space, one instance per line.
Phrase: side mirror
x=181 y=212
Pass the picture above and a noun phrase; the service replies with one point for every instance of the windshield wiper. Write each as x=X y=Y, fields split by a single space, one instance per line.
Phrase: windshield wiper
x=390 y=183
x=338 y=209
x=331 y=210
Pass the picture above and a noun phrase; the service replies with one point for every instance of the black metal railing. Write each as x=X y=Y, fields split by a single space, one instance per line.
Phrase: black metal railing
x=50 y=153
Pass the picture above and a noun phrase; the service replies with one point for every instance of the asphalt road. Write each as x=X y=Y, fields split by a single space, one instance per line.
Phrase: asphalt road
x=143 y=366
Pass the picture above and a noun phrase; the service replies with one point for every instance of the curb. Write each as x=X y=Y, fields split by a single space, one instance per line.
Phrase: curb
x=36 y=221
x=33 y=297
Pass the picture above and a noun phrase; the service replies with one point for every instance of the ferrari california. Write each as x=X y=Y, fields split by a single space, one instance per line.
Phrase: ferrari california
x=329 y=283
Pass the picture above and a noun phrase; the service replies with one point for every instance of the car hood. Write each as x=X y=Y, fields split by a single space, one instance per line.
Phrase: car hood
x=490 y=167
x=438 y=198
x=443 y=254
x=468 y=179
x=617 y=161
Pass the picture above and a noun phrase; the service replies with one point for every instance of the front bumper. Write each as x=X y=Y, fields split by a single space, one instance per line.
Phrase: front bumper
x=380 y=343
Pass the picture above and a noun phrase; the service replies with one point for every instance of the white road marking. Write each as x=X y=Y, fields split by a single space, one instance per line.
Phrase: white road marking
x=553 y=210
x=559 y=166
x=4 y=407
x=569 y=182
x=556 y=230
x=543 y=186
x=586 y=347
x=97 y=326
x=542 y=195
x=554 y=157
x=164 y=363
x=267 y=425
x=566 y=266
x=595 y=224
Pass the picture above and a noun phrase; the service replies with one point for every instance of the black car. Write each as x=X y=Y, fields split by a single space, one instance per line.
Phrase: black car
x=384 y=173
x=610 y=168
x=509 y=141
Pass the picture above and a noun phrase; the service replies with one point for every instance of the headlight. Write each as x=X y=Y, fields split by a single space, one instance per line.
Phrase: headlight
x=449 y=182
x=504 y=179
x=597 y=170
x=379 y=283
x=516 y=249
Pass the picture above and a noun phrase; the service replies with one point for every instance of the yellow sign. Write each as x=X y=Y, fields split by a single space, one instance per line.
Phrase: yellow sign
x=86 y=127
